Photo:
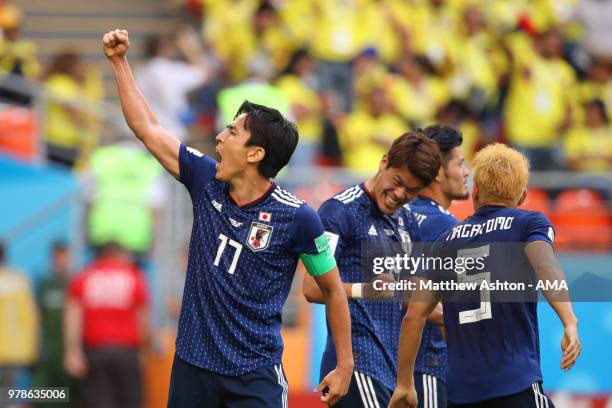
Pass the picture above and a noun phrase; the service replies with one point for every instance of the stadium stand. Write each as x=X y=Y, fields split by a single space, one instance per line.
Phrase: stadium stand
x=537 y=200
x=582 y=220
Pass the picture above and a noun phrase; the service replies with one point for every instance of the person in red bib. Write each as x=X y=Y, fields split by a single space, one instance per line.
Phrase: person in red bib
x=106 y=323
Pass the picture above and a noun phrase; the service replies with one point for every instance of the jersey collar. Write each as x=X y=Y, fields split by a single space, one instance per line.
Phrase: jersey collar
x=253 y=202
x=370 y=197
x=428 y=200
x=489 y=208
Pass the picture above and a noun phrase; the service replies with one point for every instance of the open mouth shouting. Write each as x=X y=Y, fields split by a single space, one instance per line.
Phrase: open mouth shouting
x=219 y=155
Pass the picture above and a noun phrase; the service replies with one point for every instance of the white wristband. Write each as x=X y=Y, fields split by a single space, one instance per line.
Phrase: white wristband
x=356 y=290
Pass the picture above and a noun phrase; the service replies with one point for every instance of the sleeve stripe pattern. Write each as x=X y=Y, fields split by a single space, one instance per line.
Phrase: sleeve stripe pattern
x=289 y=203
x=351 y=197
x=347 y=192
x=287 y=196
x=194 y=151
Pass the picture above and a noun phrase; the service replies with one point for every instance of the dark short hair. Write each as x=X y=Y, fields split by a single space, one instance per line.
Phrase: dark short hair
x=59 y=246
x=446 y=137
x=600 y=106
x=109 y=248
x=418 y=154
x=2 y=252
x=271 y=131
x=265 y=6
x=154 y=44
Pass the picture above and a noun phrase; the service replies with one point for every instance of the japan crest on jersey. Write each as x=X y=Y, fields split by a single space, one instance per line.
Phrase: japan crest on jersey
x=259 y=236
x=406 y=241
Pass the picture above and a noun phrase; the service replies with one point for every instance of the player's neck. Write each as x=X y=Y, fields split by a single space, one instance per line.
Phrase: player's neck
x=248 y=188
x=436 y=194
x=493 y=203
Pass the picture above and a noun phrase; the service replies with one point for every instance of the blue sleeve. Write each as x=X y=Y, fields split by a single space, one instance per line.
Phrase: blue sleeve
x=437 y=248
x=195 y=169
x=415 y=230
x=306 y=231
x=430 y=231
x=538 y=228
x=337 y=224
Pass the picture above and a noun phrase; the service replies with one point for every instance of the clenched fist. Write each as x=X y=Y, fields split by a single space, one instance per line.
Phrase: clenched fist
x=115 y=43
x=404 y=398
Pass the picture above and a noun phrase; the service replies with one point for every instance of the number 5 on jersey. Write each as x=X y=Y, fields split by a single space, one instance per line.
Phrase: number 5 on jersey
x=484 y=311
x=238 y=248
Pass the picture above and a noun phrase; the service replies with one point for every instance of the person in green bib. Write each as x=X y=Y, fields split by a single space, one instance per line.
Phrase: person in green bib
x=126 y=193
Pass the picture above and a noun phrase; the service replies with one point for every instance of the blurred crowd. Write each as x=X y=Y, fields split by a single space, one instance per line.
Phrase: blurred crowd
x=354 y=74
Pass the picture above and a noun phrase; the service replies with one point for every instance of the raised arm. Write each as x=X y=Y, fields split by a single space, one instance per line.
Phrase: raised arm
x=138 y=115
x=542 y=258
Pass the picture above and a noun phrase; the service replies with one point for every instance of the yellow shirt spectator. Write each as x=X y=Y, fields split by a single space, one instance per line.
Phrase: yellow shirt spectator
x=589 y=149
x=415 y=95
x=432 y=29
x=477 y=61
x=22 y=52
x=336 y=34
x=305 y=107
x=366 y=135
x=18 y=322
x=590 y=90
x=65 y=124
x=73 y=120
x=247 y=37
x=377 y=31
x=539 y=98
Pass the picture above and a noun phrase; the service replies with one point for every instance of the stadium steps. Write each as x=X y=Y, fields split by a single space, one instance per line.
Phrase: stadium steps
x=58 y=24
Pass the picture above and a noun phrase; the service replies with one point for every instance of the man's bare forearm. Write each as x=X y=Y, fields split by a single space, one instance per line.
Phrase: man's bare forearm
x=437 y=315
x=542 y=259
x=409 y=341
x=136 y=110
x=336 y=307
x=313 y=293
x=72 y=326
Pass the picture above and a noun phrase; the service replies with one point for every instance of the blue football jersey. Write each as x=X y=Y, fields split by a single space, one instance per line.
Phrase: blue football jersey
x=351 y=218
x=242 y=260
x=493 y=347
x=433 y=220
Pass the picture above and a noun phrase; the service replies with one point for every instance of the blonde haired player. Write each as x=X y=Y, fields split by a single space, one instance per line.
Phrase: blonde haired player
x=493 y=347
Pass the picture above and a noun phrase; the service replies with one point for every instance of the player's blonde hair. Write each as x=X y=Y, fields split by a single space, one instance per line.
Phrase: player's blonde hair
x=501 y=174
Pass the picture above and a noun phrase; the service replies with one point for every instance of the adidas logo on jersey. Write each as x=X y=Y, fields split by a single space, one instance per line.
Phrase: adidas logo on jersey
x=372 y=231
x=235 y=223
x=216 y=205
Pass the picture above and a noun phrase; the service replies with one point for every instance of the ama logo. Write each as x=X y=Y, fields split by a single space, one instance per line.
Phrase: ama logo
x=259 y=236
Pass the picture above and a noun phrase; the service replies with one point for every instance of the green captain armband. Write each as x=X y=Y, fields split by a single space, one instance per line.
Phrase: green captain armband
x=323 y=261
